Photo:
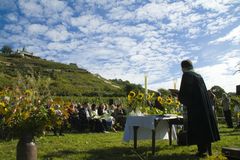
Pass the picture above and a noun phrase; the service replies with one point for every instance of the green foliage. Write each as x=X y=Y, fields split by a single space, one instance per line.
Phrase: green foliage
x=127 y=86
x=164 y=92
x=6 y=49
x=235 y=100
x=23 y=107
x=66 y=80
x=218 y=91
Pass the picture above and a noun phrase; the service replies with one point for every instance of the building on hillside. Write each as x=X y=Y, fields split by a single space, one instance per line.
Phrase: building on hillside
x=73 y=64
x=24 y=53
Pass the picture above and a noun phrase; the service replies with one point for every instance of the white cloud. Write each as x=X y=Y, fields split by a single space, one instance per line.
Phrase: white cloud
x=37 y=29
x=12 y=17
x=125 y=43
x=222 y=74
x=231 y=59
x=155 y=12
x=193 y=32
x=213 y=74
x=53 y=6
x=63 y=46
x=215 y=5
x=120 y=13
x=87 y=23
x=58 y=33
x=216 y=24
x=31 y=8
x=233 y=36
x=13 y=28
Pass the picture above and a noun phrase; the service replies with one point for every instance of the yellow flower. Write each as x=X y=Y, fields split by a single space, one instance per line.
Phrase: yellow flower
x=140 y=96
x=169 y=101
x=28 y=92
x=26 y=115
x=160 y=99
x=177 y=103
x=3 y=111
x=52 y=110
x=131 y=95
x=2 y=104
x=1 y=93
x=150 y=96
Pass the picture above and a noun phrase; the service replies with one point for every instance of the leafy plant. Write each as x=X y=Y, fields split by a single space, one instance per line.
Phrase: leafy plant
x=6 y=49
x=136 y=102
x=25 y=108
x=170 y=104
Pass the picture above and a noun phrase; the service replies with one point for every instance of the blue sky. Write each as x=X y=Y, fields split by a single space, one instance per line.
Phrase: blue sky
x=130 y=38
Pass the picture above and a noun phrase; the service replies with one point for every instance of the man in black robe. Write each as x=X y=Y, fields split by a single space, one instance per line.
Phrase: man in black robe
x=201 y=126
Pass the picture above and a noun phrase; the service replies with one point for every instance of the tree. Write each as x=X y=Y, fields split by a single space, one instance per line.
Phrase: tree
x=6 y=49
x=164 y=92
x=218 y=91
x=238 y=69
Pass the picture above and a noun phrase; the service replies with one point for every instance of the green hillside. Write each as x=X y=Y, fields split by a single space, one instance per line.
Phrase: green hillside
x=66 y=80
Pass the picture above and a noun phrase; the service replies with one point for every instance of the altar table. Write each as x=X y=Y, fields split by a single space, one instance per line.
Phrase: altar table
x=151 y=127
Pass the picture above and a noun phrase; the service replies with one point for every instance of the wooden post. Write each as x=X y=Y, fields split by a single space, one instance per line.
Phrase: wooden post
x=153 y=141
x=170 y=132
x=135 y=128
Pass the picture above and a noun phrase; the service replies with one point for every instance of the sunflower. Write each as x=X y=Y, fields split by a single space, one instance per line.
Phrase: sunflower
x=160 y=99
x=3 y=108
x=150 y=96
x=177 y=103
x=169 y=100
x=140 y=96
x=131 y=95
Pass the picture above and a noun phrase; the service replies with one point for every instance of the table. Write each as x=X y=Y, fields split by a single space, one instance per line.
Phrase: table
x=151 y=127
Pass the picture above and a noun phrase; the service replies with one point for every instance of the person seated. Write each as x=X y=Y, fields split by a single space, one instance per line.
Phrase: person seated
x=84 y=115
x=73 y=116
x=120 y=117
x=106 y=116
x=95 y=122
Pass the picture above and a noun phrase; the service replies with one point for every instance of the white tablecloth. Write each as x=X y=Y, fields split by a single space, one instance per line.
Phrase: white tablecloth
x=146 y=125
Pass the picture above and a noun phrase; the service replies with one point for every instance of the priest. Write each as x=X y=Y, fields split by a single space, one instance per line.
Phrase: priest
x=201 y=124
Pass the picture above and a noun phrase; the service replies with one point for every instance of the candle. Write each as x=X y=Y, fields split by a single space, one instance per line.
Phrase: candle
x=174 y=84
x=145 y=82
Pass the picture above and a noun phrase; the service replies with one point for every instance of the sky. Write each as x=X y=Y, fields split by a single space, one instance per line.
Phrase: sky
x=128 y=39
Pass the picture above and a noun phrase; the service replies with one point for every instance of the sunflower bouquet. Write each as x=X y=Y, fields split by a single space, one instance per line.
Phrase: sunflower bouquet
x=24 y=108
x=170 y=105
x=137 y=102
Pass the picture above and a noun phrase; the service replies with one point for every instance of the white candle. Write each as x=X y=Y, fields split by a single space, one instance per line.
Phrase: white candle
x=145 y=82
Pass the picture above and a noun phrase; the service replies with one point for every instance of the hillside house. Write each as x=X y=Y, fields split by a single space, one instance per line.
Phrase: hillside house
x=24 y=53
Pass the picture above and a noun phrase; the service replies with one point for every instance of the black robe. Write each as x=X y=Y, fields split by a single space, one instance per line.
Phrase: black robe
x=201 y=122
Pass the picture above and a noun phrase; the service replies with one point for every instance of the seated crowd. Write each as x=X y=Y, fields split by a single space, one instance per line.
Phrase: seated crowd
x=94 y=118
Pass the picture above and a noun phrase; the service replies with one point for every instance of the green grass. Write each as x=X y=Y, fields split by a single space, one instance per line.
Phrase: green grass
x=109 y=146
